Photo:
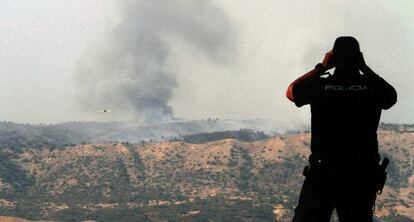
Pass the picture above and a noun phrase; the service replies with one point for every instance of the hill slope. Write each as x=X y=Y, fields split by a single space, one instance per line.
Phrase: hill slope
x=224 y=180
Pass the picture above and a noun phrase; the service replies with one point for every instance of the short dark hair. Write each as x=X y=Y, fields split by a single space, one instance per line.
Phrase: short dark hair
x=346 y=51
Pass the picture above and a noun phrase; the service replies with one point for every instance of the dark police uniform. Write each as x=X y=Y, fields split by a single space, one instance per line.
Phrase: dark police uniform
x=346 y=109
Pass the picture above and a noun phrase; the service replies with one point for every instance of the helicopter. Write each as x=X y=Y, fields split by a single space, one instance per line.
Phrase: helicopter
x=105 y=111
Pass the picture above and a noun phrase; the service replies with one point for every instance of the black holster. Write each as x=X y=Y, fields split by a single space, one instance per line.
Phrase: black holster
x=313 y=161
x=381 y=175
x=306 y=170
x=380 y=170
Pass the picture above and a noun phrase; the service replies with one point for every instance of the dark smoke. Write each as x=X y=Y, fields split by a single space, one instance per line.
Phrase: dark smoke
x=129 y=70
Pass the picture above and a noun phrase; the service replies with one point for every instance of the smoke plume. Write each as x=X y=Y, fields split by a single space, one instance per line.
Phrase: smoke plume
x=129 y=71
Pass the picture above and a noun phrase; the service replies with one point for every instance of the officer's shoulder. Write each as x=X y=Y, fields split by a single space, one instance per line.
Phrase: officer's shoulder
x=324 y=78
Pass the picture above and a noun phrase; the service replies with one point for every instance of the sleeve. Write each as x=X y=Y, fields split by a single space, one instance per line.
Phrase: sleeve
x=304 y=92
x=385 y=94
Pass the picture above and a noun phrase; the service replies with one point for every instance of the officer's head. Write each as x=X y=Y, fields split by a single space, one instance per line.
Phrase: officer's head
x=346 y=52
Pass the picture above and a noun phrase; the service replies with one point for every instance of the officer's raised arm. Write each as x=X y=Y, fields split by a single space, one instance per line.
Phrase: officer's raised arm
x=387 y=95
x=316 y=72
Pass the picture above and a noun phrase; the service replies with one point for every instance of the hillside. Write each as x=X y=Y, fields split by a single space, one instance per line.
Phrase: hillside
x=222 y=180
x=15 y=219
x=14 y=135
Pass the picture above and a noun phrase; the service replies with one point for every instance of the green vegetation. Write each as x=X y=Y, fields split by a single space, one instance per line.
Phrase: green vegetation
x=245 y=135
x=12 y=174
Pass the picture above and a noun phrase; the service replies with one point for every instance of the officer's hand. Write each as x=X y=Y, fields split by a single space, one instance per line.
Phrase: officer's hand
x=328 y=60
x=363 y=66
x=361 y=61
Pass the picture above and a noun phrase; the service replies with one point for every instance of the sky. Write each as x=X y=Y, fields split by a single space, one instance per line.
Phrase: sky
x=65 y=60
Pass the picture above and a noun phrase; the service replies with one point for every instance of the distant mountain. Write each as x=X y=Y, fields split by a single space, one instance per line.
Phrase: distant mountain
x=65 y=134
x=245 y=135
x=206 y=177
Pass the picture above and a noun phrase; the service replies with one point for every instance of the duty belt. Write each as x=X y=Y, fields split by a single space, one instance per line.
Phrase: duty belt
x=367 y=160
x=378 y=169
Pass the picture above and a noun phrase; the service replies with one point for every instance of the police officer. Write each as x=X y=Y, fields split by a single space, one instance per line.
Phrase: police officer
x=346 y=109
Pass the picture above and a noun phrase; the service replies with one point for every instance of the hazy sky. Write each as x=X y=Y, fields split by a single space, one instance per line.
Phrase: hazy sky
x=253 y=51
